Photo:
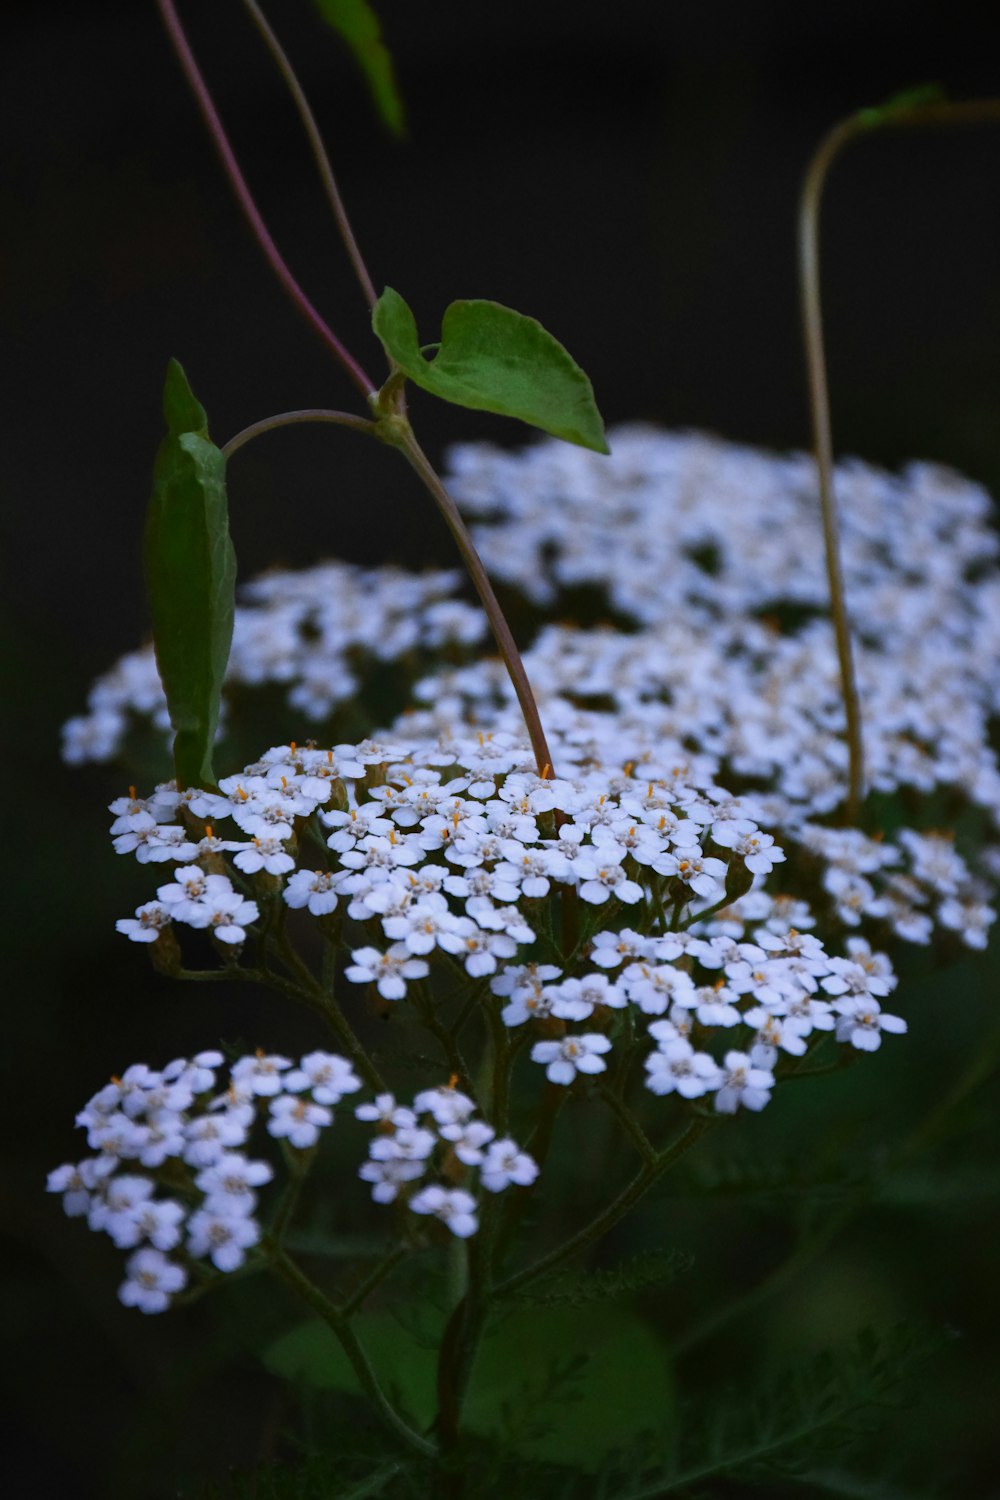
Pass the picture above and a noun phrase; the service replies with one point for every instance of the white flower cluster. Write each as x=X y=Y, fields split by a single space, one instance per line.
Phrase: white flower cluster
x=456 y=851
x=710 y=558
x=440 y=1125
x=173 y=1128
x=319 y=631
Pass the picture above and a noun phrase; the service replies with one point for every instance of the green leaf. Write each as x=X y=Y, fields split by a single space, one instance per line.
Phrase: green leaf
x=494 y=359
x=569 y=1385
x=650 y=1268
x=190 y=577
x=901 y=103
x=310 y=1354
x=359 y=26
x=555 y=1384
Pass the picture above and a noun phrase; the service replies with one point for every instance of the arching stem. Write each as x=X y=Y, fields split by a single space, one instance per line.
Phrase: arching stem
x=320 y=156
x=408 y=445
x=292 y=419
x=934 y=113
x=260 y=231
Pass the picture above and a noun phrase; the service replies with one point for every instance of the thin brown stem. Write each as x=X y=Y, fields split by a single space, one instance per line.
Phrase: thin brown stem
x=506 y=644
x=317 y=147
x=935 y=113
x=231 y=167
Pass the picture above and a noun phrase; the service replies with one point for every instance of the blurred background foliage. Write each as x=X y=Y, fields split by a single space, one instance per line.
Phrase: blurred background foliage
x=628 y=175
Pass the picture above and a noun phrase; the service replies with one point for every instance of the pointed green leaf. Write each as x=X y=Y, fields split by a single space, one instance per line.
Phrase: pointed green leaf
x=491 y=358
x=190 y=577
x=902 y=103
x=359 y=26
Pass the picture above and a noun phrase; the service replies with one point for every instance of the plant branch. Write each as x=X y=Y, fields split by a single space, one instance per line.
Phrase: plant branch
x=319 y=152
x=352 y=1347
x=400 y=434
x=972 y=112
x=291 y=419
x=231 y=167
x=648 y=1173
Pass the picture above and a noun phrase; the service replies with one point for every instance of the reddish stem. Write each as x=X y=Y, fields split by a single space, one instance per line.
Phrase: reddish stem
x=231 y=167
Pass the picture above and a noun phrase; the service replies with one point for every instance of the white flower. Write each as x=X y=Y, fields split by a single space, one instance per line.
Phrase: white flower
x=452 y=1206
x=229 y=1183
x=505 y=1163
x=147 y=924
x=601 y=876
x=677 y=1068
x=260 y=1074
x=448 y=1106
x=389 y=972
x=328 y=1076
x=77 y=1183
x=385 y=1111
x=210 y=1136
x=152 y=1281
x=298 y=1121
x=574 y=1054
x=576 y=999
x=743 y=1084
x=225 y=1238
x=862 y=1023
x=407 y=1143
x=388 y=1175
x=268 y=854
x=315 y=889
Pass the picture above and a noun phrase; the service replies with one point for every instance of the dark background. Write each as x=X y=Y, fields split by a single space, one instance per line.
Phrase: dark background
x=628 y=175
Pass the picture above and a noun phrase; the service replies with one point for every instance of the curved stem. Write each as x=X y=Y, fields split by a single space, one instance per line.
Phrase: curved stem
x=292 y=419
x=351 y=1345
x=318 y=149
x=972 y=112
x=231 y=167
x=404 y=439
x=819 y=404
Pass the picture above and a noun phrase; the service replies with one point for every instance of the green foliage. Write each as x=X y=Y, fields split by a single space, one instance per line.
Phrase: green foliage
x=568 y=1386
x=808 y=1413
x=359 y=26
x=552 y=1384
x=651 y=1268
x=902 y=103
x=491 y=358
x=310 y=1355
x=770 y=1178
x=190 y=577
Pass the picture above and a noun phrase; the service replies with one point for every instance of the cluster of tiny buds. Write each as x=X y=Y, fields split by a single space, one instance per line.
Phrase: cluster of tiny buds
x=171 y=1179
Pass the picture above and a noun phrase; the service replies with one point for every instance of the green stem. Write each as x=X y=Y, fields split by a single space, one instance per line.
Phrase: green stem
x=979 y=111
x=352 y=1347
x=650 y=1171
x=292 y=419
x=320 y=156
x=631 y=1126
x=375 y=1277
x=299 y=1168
x=445 y=1035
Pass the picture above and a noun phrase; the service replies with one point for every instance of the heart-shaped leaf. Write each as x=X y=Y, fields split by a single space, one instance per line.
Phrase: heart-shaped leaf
x=190 y=577
x=492 y=358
